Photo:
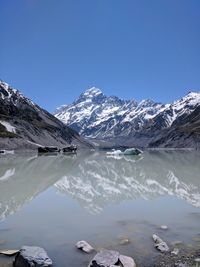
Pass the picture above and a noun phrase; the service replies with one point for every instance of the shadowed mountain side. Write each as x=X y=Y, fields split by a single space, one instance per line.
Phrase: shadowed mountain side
x=99 y=181
x=184 y=133
x=25 y=125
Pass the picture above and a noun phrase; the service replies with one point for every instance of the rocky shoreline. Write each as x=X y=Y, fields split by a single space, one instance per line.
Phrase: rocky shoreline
x=177 y=254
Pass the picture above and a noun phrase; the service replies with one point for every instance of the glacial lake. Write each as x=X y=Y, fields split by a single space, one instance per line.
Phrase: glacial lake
x=55 y=201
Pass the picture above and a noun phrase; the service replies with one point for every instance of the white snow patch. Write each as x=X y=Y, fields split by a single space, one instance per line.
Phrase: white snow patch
x=8 y=126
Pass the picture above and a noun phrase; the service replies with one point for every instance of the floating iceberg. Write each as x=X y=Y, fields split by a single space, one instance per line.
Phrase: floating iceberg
x=128 y=151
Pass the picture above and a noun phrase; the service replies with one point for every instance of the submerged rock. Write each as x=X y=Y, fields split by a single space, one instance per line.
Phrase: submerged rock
x=177 y=243
x=29 y=256
x=84 y=246
x=124 y=241
x=160 y=244
x=111 y=258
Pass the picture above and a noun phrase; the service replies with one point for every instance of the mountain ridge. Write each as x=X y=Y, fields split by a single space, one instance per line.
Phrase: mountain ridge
x=95 y=115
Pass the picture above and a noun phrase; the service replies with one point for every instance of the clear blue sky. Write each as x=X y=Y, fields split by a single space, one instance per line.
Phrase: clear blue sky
x=52 y=50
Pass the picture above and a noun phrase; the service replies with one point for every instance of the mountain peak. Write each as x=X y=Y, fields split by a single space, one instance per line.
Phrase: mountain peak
x=192 y=98
x=93 y=91
x=193 y=94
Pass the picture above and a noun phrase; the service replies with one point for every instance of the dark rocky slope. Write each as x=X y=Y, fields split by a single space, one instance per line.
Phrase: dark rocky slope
x=185 y=132
x=24 y=125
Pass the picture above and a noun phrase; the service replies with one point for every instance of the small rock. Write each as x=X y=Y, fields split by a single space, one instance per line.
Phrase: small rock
x=127 y=261
x=105 y=258
x=175 y=251
x=124 y=241
x=29 y=256
x=197 y=260
x=160 y=244
x=84 y=246
x=163 y=227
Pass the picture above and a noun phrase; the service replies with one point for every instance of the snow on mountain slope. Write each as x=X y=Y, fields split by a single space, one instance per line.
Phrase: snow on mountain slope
x=13 y=95
x=95 y=115
x=177 y=110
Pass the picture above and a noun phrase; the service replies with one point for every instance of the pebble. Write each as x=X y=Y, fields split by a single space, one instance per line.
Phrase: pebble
x=124 y=241
x=163 y=227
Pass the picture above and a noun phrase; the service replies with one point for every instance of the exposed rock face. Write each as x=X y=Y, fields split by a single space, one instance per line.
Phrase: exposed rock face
x=32 y=257
x=146 y=123
x=23 y=124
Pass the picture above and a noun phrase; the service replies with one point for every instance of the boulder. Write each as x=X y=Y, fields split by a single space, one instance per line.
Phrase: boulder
x=71 y=148
x=30 y=256
x=111 y=258
x=48 y=149
x=105 y=258
x=160 y=244
x=84 y=246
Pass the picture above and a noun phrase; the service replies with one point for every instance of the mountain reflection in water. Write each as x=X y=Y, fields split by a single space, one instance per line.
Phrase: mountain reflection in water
x=96 y=180
x=99 y=180
x=22 y=178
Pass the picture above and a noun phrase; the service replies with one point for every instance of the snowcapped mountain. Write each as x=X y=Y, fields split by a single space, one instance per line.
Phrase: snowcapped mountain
x=95 y=115
x=23 y=124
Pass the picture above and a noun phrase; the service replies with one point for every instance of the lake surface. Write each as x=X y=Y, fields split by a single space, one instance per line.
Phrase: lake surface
x=55 y=201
